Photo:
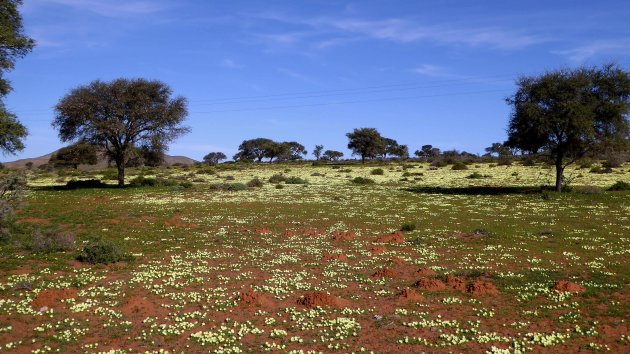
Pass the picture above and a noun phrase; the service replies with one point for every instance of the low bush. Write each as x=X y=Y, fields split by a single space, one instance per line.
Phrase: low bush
x=277 y=178
x=476 y=175
x=49 y=241
x=377 y=172
x=362 y=180
x=408 y=226
x=86 y=183
x=295 y=180
x=279 y=186
x=586 y=189
x=255 y=183
x=101 y=251
x=459 y=166
x=228 y=187
x=620 y=186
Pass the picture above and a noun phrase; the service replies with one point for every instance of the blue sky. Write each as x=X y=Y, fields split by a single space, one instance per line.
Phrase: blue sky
x=422 y=72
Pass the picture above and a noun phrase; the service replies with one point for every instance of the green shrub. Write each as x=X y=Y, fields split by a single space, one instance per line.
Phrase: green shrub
x=255 y=183
x=585 y=163
x=49 y=241
x=439 y=163
x=586 y=189
x=459 y=166
x=408 y=226
x=620 y=186
x=295 y=180
x=476 y=175
x=101 y=251
x=87 y=183
x=362 y=180
x=277 y=178
x=377 y=172
x=279 y=186
x=229 y=187
x=110 y=174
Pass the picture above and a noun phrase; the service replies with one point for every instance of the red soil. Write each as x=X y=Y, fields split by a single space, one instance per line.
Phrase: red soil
x=343 y=235
x=384 y=273
x=36 y=221
x=376 y=250
x=52 y=297
x=424 y=272
x=567 y=287
x=455 y=283
x=334 y=257
x=430 y=284
x=482 y=287
x=262 y=231
x=249 y=298
x=397 y=261
x=394 y=237
x=409 y=295
x=289 y=234
x=140 y=307
x=320 y=298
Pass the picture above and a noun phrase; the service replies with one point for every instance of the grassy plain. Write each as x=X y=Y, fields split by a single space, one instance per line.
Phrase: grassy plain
x=310 y=267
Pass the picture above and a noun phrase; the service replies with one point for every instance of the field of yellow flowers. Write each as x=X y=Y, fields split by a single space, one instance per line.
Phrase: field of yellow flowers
x=422 y=260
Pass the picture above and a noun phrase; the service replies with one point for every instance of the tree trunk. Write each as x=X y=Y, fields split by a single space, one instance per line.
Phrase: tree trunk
x=362 y=158
x=559 y=174
x=120 y=165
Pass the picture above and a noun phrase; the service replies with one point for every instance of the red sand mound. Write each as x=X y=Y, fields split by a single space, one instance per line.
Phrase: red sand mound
x=567 y=287
x=319 y=298
x=343 y=235
x=334 y=257
x=289 y=234
x=397 y=261
x=394 y=237
x=251 y=298
x=141 y=307
x=429 y=284
x=312 y=233
x=455 y=283
x=261 y=231
x=482 y=287
x=384 y=273
x=424 y=272
x=376 y=250
x=409 y=295
x=51 y=297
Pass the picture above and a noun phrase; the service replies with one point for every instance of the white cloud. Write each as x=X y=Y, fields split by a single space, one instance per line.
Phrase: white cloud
x=582 y=53
x=107 y=8
x=230 y=64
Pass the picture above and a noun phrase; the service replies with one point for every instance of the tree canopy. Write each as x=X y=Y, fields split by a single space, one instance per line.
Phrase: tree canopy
x=121 y=116
x=13 y=45
x=366 y=142
x=568 y=114
x=213 y=158
x=74 y=155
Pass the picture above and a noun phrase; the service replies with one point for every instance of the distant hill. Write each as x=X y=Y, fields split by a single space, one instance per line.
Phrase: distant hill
x=102 y=163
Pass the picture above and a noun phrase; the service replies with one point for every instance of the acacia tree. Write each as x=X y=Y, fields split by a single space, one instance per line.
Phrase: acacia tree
x=13 y=45
x=332 y=155
x=366 y=142
x=317 y=152
x=121 y=116
x=569 y=114
x=291 y=151
x=253 y=149
x=213 y=158
x=74 y=155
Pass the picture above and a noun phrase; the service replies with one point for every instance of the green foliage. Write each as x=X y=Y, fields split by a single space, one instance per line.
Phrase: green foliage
x=86 y=183
x=586 y=189
x=279 y=186
x=362 y=180
x=214 y=158
x=255 y=183
x=620 y=186
x=366 y=142
x=12 y=190
x=228 y=187
x=51 y=240
x=277 y=178
x=74 y=155
x=137 y=111
x=377 y=172
x=458 y=166
x=408 y=226
x=141 y=181
x=295 y=180
x=102 y=251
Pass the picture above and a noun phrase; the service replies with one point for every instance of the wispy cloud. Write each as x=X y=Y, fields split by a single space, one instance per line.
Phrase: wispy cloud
x=107 y=8
x=403 y=30
x=297 y=75
x=432 y=71
x=230 y=64
x=582 y=53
